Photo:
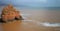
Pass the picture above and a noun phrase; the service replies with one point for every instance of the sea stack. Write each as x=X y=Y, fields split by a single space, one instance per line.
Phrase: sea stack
x=9 y=13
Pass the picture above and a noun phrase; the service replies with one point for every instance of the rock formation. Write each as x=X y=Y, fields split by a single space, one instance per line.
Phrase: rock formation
x=9 y=13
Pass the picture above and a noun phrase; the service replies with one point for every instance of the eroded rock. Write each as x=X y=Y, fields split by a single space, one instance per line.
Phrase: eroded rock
x=9 y=13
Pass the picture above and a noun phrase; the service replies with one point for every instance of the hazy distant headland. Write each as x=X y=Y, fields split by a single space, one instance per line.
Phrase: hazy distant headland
x=33 y=4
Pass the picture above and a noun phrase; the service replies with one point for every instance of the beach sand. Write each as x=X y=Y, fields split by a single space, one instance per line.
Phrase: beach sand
x=32 y=20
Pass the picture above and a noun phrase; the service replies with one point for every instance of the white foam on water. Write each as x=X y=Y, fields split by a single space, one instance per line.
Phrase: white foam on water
x=46 y=24
x=25 y=17
x=27 y=20
x=51 y=24
x=25 y=14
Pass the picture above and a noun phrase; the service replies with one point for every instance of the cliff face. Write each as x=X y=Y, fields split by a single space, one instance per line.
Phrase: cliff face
x=9 y=13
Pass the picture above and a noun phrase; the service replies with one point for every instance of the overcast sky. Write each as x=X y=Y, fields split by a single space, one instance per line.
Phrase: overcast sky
x=34 y=3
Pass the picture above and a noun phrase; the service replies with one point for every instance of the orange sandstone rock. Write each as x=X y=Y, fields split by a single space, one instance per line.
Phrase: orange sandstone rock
x=9 y=13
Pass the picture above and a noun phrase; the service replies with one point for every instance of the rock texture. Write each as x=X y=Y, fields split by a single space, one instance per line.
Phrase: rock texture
x=9 y=13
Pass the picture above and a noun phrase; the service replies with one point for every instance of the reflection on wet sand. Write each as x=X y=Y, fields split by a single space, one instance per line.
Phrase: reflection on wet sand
x=26 y=26
x=11 y=26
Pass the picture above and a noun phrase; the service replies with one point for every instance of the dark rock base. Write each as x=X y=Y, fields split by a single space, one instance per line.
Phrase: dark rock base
x=1 y=21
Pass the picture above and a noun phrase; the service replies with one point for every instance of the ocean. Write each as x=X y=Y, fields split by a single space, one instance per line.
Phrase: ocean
x=35 y=19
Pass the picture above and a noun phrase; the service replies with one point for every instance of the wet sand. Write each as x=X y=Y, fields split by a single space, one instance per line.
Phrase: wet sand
x=27 y=26
x=32 y=20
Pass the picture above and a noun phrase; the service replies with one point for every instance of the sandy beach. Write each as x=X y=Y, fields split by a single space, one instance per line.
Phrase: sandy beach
x=32 y=20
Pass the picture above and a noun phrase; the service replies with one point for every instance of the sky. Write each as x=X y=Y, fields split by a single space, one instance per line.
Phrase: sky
x=33 y=3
